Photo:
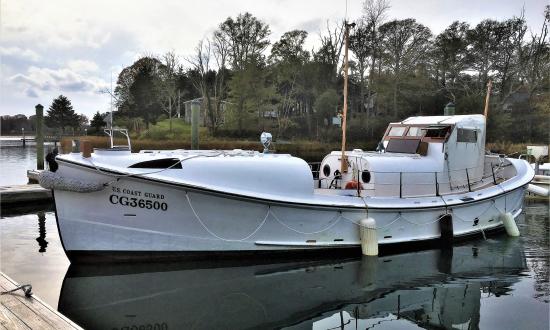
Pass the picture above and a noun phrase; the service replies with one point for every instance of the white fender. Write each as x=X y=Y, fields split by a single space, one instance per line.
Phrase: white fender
x=537 y=190
x=369 y=239
x=509 y=224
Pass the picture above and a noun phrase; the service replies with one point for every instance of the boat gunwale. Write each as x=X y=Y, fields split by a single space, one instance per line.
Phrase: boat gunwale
x=442 y=205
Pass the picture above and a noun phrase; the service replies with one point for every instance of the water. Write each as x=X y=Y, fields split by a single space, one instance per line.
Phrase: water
x=16 y=160
x=501 y=283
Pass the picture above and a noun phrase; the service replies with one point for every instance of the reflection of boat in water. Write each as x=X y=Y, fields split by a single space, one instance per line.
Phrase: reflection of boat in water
x=434 y=288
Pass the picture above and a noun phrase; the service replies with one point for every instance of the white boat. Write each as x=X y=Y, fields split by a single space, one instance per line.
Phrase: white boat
x=433 y=181
x=540 y=185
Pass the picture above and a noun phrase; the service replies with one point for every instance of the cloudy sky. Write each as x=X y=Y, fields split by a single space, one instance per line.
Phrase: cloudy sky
x=71 y=47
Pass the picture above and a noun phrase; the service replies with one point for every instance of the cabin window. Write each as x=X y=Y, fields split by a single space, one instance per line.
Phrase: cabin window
x=466 y=135
x=415 y=131
x=406 y=146
x=437 y=132
x=158 y=163
x=397 y=131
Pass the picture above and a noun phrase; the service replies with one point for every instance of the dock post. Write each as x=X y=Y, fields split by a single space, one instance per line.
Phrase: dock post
x=195 y=113
x=39 y=137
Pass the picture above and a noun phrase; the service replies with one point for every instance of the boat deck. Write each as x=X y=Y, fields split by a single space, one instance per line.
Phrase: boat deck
x=20 y=312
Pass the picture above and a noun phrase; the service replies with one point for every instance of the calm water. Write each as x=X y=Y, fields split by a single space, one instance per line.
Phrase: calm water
x=16 y=160
x=500 y=283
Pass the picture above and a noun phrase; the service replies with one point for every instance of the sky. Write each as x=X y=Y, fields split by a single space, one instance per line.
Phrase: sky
x=72 y=47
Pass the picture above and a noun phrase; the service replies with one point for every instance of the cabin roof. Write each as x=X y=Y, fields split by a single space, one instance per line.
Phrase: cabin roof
x=434 y=120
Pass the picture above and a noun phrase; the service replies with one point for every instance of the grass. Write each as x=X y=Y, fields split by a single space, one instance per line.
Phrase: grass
x=159 y=137
x=180 y=130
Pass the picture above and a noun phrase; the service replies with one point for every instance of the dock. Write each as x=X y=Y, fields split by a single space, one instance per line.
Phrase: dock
x=22 y=194
x=20 y=312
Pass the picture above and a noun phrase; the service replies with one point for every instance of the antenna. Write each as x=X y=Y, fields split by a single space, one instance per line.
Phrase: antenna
x=346 y=15
x=111 y=106
x=111 y=116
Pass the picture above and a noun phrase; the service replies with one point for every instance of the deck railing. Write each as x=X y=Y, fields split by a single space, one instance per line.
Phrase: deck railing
x=403 y=183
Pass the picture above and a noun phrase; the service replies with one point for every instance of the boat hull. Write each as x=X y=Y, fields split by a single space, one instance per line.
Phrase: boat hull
x=136 y=218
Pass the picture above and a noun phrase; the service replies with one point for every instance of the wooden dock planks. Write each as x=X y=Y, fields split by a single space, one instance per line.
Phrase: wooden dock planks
x=20 y=312
x=13 y=195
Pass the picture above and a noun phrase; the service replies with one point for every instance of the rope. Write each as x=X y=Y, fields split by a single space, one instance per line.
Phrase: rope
x=482 y=213
x=27 y=289
x=337 y=217
x=387 y=225
x=219 y=237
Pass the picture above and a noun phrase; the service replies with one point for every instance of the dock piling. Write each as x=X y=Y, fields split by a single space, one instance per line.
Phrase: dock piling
x=195 y=113
x=39 y=137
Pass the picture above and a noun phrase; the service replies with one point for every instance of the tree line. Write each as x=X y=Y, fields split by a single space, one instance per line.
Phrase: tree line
x=398 y=68
x=60 y=118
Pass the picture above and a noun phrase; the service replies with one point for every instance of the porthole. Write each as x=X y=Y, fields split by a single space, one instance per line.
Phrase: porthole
x=326 y=170
x=365 y=176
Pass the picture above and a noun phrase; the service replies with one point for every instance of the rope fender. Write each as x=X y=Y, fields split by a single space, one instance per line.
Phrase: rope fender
x=54 y=180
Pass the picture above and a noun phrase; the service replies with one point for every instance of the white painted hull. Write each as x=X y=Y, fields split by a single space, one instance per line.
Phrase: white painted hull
x=189 y=220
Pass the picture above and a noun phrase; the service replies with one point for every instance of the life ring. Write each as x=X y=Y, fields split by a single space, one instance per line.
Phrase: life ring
x=353 y=185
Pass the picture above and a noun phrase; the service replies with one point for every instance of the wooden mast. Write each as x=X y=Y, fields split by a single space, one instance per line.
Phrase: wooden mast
x=344 y=162
x=486 y=110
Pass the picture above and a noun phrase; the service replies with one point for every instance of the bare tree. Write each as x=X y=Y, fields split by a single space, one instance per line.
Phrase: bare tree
x=331 y=45
x=374 y=14
x=167 y=83
x=210 y=80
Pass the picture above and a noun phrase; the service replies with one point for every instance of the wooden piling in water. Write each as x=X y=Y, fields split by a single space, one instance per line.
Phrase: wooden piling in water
x=39 y=137
x=195 y=114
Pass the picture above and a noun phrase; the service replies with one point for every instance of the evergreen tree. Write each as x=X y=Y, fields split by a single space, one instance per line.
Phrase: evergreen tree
x=145 y=102
x=97 y=122
x=61 y=114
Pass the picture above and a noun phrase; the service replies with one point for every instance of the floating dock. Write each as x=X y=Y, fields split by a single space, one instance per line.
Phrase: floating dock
x=20 y=312
x=22 y=194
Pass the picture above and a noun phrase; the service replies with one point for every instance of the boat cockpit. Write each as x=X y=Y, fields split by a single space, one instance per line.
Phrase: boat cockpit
x=420 y=156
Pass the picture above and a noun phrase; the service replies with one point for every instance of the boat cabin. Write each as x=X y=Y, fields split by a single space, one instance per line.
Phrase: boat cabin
x=416 y=156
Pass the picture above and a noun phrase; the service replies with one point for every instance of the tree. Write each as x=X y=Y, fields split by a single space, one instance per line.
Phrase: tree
x=484 y=42
x=374 y=14
x=167 y=87
x=361 y=45
x=61 y=114
x=97 y=122
x=288 y=58
x=142 y=91
x=331 y=47
x=211 y=84
x=246 y=37
x=82 y=120
x=251 y=93
x=406 y=45
x=450 y=54
x=122 y=93
x=326 y=105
